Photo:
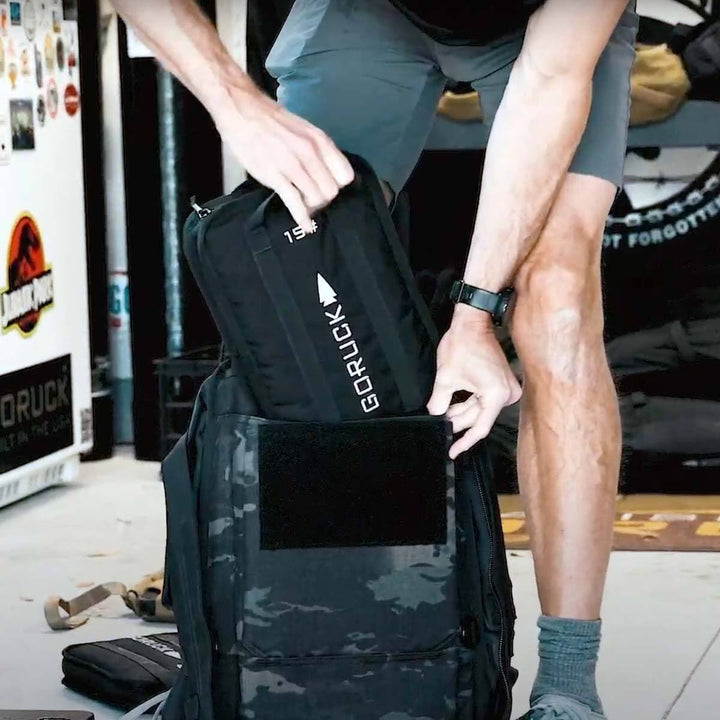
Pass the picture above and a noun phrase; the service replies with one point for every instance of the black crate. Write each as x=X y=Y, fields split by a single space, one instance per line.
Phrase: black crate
x=179 y=380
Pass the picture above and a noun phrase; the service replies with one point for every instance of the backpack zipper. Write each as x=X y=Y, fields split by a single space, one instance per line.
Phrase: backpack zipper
x=253 y=658
x=491 y=560
x=200 y=211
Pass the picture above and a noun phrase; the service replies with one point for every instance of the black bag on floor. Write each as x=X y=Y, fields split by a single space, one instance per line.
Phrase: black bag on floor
x=125 y=672
x=328 y=326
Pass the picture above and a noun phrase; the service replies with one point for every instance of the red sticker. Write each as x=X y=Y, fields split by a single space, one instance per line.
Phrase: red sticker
x=72 y=100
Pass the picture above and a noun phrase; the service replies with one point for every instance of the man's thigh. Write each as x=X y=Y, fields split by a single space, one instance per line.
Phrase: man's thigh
x=360 y=71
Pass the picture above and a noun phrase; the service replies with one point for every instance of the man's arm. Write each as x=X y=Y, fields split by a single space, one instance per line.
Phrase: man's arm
x=535 y=134
x=278 y=148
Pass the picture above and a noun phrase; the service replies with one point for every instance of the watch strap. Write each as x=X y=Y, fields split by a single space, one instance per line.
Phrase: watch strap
x=490 y=302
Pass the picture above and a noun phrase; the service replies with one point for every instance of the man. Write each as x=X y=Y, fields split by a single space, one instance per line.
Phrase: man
x=366 y=75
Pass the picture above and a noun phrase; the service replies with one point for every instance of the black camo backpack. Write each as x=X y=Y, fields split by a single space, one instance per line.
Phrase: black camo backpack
x=334 y=565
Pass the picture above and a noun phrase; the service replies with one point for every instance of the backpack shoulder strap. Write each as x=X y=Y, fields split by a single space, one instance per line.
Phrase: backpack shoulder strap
x=184 y=569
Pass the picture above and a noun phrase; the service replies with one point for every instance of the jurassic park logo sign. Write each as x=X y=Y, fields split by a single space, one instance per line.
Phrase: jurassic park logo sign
x=29 y=288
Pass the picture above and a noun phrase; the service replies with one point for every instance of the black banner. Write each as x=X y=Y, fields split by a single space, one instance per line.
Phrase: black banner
x=36 y=413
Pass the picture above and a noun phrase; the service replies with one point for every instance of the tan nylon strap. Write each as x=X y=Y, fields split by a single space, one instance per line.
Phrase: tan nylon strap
x=73 y=608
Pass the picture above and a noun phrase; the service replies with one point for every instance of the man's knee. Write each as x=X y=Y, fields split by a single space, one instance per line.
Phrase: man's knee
x=559 y=305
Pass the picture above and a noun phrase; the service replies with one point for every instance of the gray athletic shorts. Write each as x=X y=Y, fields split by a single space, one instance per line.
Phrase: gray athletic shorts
x=361 y=71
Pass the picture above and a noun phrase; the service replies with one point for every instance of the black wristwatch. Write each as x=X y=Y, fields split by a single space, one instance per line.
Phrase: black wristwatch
x=497 y=304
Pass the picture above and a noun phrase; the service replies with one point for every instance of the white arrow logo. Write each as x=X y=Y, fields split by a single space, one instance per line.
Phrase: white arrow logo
x=326 y=294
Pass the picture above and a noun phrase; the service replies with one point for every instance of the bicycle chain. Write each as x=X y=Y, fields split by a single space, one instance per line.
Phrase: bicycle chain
x=673 y=210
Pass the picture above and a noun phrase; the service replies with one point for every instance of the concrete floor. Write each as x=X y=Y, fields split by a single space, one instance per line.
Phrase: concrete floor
x=661 y=651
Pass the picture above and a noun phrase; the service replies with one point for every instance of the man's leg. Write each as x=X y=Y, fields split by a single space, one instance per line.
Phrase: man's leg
x=569 y=445
x=364 y=74
x=569 y=450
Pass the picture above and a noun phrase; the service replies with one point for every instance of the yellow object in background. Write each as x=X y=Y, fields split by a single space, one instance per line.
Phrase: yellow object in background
x=659 y=84
x=460 y=107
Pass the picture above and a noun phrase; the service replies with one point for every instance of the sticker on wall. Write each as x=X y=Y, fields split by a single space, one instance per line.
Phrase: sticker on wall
x=5 y=137
x=25 y=70
x=60 y=48
x=71 y=60
x=22 y=123
x=29 y=289
x=38 y=68
x=42 y=14
x=15 y=14
x=12 y=75
x=72 y=99
x=41 y=110
x=4 y=20
x=49 y=47
x=29 y=19
x=52 y=98
x=70 y=10
x=70 y=36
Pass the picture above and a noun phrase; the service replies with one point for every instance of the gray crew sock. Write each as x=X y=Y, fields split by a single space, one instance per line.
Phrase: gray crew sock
x=568 y=651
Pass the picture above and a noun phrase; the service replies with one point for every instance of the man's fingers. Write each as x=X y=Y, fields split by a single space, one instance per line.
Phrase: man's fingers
x=441 y=396
x=515 y=392
x=470 y=438
x=317 y=168
x=459 y=408
x=490 y=406
x=296 y=173
x=336 y=162
x=465 y=419
x=294 y=203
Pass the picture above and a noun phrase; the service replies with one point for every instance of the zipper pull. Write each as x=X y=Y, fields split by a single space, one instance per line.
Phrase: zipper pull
x=200 y=211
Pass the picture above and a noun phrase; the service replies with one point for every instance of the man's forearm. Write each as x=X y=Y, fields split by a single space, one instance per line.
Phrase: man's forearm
x=279 y=149
x=187 y=44
x=535 y=134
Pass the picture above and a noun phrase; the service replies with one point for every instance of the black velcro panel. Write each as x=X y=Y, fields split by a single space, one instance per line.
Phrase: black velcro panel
x=362 y=483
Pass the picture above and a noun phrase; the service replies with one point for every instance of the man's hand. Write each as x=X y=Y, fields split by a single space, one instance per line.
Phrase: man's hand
x=285 y=153
x=282 y=151
x=470 y=358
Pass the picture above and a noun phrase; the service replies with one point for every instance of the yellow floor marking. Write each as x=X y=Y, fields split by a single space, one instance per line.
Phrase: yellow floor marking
x=676 y=511
x=639 y=527
x=709 y=529
x=644 y=504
